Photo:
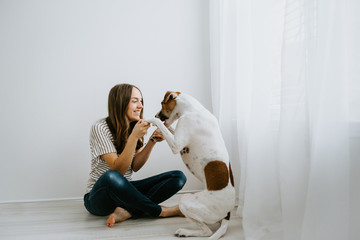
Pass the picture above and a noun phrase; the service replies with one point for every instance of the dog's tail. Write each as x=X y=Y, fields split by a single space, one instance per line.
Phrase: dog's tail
x=222 y=229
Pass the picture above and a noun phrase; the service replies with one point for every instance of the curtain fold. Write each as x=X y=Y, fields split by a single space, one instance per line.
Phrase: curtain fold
x=282 y=76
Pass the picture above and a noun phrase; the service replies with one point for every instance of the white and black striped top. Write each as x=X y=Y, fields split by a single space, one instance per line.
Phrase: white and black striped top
x=101 y=142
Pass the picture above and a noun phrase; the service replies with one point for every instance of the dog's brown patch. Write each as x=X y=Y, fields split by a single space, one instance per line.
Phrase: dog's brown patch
x=231 y=176
x=216 y=175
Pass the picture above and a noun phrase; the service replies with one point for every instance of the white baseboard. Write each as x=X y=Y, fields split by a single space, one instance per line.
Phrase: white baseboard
x=81 y=198
x=41 y=200
x=68 y=198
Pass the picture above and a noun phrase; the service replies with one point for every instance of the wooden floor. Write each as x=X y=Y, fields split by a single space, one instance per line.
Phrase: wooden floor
x=68 y=219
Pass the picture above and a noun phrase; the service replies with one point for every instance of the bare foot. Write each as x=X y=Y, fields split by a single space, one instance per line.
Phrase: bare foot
x=171 y=211
x=118 y=215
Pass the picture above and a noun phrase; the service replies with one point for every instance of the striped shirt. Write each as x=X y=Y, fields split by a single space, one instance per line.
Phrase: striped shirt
x=101 y=142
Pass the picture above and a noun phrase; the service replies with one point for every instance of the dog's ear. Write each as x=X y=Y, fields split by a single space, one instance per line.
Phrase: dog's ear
x=170 y=96
x=173 y=95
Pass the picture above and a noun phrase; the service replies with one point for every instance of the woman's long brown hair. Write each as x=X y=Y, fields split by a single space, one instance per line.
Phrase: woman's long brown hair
x=120 y=127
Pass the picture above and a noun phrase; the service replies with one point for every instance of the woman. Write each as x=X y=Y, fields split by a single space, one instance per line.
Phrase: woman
x=117 y=149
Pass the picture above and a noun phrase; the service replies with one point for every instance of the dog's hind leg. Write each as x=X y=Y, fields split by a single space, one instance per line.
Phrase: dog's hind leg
x=204 y=231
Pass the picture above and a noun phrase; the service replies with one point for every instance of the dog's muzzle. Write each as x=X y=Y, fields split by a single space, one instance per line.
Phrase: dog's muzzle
x=161 y=116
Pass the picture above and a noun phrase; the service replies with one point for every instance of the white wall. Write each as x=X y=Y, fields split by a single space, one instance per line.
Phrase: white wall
x=58 y=61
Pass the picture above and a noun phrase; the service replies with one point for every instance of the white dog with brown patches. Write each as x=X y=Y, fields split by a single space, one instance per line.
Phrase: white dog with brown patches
x=198 y=139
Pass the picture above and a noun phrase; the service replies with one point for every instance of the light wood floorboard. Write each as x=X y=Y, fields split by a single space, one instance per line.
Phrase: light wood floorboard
x=68 y=219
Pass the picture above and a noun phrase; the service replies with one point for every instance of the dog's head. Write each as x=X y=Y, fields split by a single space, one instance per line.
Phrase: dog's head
x=168 y=106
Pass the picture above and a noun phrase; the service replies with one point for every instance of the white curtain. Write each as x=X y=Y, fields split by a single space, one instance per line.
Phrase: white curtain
x=285 y=87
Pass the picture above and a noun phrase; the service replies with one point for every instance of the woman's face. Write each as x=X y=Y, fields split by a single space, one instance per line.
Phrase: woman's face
x=135 y=106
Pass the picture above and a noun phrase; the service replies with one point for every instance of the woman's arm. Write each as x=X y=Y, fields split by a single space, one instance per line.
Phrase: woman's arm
x=122 y=162
x=142 y=155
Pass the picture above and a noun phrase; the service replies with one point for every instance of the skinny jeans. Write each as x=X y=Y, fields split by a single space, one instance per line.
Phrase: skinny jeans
x=141 y=197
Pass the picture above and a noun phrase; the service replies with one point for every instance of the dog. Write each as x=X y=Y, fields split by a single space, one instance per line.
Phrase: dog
x=198 y=139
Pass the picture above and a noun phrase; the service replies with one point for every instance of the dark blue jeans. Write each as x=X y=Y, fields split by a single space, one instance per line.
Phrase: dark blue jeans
x=138 y=197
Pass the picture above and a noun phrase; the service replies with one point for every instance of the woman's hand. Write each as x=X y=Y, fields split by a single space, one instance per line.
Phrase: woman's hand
x=140 y=129
x=122 y=162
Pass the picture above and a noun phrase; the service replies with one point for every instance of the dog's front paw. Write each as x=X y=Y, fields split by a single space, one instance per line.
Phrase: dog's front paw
x=154 y=121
